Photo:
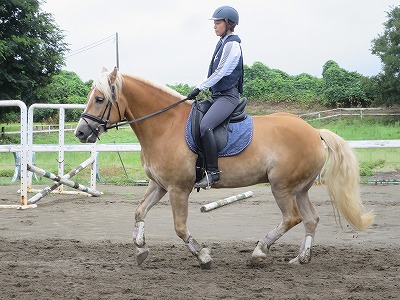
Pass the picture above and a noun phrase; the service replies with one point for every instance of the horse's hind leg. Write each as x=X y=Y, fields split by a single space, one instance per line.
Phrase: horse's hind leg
x=310 y=221
x=291 y=217
x=152 y=195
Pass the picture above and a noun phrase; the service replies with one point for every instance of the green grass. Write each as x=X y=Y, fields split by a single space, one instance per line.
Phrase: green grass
x=370 y=128
x=112 y=165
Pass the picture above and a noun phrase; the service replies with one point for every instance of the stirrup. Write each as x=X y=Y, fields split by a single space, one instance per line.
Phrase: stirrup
x=208 y=180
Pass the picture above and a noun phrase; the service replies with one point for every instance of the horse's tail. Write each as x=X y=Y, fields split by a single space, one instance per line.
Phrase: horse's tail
x=342 y=179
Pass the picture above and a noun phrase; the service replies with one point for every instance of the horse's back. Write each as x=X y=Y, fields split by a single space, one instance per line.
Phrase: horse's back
x=286 y=127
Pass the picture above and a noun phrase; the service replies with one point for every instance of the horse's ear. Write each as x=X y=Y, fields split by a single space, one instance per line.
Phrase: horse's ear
x=104 y=70
x=113 y=75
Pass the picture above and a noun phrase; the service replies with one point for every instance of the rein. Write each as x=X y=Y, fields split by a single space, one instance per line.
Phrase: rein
x=146 y=116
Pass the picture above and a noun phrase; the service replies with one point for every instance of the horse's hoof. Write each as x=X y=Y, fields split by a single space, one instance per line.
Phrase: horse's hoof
x=305 y=257
x=302 y=259
x=259 y=254
x=256 y=261
x=295 y=261
x=206 y=266
x=141 y=255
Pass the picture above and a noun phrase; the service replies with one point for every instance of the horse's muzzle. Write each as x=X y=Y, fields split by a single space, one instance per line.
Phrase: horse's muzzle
x=86 y=134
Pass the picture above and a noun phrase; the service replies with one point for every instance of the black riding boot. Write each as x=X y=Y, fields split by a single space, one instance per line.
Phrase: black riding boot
x=211 y=157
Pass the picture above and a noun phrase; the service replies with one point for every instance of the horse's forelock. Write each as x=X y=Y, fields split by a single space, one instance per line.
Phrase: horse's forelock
x=103 y=84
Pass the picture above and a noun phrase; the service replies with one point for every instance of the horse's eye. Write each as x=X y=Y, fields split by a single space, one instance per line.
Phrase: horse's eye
x=99 y=99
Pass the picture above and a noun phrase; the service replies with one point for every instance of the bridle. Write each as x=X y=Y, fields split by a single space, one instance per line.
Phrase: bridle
x=122 y=121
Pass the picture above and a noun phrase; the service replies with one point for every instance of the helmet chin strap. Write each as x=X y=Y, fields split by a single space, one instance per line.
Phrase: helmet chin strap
x=226 y=28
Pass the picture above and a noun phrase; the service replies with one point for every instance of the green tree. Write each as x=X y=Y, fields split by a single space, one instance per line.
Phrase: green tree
x=343 y=88
x=185 y=89
x=64 y=87
x=265 y=84
x=372 y=88
x=31 y=49
x=387 y=47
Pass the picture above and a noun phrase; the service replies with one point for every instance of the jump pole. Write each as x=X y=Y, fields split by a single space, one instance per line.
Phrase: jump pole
x=49 y=189
x=61 y=180
x=225 y=201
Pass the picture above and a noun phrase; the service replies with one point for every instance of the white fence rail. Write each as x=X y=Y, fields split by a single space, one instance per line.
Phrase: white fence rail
x=342 y=112
x=127 y=147
x=41 y=129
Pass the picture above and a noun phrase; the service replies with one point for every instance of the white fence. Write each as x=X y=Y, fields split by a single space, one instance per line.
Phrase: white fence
x=361 y=112
x=41 y=129
x=26 y=148
x=342 y=112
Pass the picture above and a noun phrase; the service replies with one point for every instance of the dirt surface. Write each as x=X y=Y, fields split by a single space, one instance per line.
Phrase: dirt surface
x=76 y=247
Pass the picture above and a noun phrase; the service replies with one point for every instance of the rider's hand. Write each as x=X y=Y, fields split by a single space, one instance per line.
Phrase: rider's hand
x=192 y=95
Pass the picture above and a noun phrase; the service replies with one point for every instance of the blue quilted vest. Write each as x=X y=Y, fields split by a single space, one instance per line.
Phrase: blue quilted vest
x=235 y=78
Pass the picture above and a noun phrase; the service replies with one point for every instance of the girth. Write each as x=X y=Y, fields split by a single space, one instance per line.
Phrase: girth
x=220 y=132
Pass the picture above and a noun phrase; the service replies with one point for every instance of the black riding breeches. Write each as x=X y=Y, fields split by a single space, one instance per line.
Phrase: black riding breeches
x=224 y=104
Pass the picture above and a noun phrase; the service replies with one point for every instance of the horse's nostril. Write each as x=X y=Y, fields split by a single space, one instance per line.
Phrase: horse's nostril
x=79 y=134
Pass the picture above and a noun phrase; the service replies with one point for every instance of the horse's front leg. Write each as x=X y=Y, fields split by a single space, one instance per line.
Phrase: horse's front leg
x=179 y=203
x=152 y=195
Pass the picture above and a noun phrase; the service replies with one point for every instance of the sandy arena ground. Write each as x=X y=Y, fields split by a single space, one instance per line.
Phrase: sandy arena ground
x=77 y=247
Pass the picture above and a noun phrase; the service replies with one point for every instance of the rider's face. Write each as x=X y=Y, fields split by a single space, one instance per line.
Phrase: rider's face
x=219 y=27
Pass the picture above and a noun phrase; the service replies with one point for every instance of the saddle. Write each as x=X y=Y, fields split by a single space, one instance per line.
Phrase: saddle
x=200 y=107
x=220 y=132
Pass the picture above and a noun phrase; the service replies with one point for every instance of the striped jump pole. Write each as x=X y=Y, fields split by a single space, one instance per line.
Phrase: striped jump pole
x=226 y=201
x=49 y=189
x=61 y=180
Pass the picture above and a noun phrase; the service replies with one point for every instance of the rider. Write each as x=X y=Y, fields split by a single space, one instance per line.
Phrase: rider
x=225 y=79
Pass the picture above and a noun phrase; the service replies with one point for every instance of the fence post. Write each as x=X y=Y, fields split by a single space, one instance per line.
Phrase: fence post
x=24 y=150
x=61 y=156
x=93 y=167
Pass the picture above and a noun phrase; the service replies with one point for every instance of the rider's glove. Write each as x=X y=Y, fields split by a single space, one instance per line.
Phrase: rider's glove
x=192 y=95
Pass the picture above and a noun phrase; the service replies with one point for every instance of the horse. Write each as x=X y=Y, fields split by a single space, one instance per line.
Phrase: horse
x=285 y=151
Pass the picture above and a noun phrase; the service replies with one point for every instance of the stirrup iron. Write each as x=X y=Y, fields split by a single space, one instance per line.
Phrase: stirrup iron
x=207 y=181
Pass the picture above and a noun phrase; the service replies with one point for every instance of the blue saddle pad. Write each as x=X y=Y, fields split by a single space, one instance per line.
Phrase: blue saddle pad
x=239 y=136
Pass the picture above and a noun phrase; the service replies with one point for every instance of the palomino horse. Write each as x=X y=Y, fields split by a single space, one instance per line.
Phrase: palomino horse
x=285 y=151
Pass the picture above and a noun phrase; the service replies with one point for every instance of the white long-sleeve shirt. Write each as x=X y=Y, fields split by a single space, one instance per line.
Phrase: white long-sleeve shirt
x=230 y=58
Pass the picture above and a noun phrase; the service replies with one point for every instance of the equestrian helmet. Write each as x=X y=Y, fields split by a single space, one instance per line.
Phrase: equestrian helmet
x=226 y=13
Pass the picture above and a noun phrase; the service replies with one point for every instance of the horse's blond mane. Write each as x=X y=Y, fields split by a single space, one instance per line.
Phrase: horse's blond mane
x=157 y=86
x=103 y=85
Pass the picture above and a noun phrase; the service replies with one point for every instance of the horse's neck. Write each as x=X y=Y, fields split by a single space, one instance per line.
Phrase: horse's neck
x=144 y=99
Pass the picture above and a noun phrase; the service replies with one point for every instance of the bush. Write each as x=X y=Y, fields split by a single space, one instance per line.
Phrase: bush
x=342 y=88
x=264 y=84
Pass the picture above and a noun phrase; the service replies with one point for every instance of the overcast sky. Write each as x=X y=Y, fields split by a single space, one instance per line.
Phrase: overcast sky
x=171 y=41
